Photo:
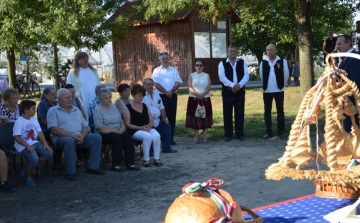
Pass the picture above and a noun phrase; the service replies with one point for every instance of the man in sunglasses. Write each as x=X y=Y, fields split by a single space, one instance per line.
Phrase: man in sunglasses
x=167 y=81
x=233 y=74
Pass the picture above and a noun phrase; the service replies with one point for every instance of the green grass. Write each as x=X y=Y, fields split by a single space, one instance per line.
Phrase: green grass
x=254 y=126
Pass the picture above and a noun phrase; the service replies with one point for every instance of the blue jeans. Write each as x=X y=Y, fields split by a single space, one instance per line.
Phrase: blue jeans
x=92 y=142
x=165 y=134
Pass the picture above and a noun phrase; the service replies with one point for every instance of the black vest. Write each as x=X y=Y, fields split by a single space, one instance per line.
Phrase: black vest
x=279 y=73
x=229 y=71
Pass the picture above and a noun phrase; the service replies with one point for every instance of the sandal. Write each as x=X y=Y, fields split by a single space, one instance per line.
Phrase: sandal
x=132 y=167
x=147 y=164
x=157 y=163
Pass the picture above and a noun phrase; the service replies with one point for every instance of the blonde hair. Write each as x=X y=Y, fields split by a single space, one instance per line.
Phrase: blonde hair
x=76 y=65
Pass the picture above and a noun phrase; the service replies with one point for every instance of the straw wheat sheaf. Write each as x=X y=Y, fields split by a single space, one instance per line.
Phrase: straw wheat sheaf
x=331 y=91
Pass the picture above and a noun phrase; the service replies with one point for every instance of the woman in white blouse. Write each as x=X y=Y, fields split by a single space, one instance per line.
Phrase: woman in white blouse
x=199 y=84
x=84 y=78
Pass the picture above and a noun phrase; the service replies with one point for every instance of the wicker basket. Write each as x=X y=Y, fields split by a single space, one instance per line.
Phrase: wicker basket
x=255 y=217
x=327 y=189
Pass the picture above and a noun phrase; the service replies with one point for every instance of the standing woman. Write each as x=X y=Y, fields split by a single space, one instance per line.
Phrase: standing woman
x=291 y=66
x=10 y=109
x=199 y=84
x=84 y=78
x=140 y=124
x=296 y=73
x=329 y=45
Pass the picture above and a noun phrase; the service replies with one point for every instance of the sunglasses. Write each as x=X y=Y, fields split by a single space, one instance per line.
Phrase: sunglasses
x=163 y=53
x=198 y=65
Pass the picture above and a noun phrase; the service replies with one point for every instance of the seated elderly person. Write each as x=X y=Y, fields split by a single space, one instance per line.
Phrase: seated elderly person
x=92 y=105
x=140 y=124
x=76 y=102
x=10 y=109
x=70 y=131
x=48 y=100
x=153 y=100
x=123 y=100
x=109 y=124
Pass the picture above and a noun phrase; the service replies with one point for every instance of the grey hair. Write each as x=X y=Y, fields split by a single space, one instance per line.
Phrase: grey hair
x=46 y=92
x=62 y=91
x=102 y=92
x=147 y=79
x=98 y=87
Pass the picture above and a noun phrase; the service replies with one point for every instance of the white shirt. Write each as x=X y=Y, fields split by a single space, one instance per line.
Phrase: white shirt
x=28 y=130
x=227 y=82
x=155 y=105
x=272 y=84
x=166 y=77
x=199 y=83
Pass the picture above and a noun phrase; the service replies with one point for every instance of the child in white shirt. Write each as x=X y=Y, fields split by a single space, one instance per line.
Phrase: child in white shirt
x=26 y=133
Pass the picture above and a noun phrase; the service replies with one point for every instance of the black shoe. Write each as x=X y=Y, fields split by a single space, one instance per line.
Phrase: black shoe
x=227 y=139
x=282 y=136
x=113 y=168
x=71 y=177
x=266 y=136
x=95 y=171
x=173 y=143
x=169 y=151
x=5 y=187
x=241 y=138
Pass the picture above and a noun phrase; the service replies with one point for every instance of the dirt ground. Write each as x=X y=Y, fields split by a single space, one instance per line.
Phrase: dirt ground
x=144 y=196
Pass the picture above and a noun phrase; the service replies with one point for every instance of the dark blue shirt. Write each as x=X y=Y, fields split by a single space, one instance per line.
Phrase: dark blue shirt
x=42 y=110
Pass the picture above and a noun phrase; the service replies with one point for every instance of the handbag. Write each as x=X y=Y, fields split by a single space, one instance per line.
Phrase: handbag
x=200 y=110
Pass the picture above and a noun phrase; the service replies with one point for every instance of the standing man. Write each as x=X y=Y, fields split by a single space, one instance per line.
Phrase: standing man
x=233 y=74
x=329 y=45
x=167 y=81
x=70 y=131
x=153 y=101
x=355 y=36
x=352 y=67
x=274 y=73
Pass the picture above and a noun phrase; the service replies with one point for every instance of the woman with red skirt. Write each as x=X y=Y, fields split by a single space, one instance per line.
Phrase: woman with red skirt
x=199 y=84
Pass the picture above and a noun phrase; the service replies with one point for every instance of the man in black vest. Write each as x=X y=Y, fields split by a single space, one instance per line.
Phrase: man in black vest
x=233 y=74
x=274 y=73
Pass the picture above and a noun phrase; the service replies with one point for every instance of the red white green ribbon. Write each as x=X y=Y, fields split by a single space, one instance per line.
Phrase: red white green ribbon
x=209 y=188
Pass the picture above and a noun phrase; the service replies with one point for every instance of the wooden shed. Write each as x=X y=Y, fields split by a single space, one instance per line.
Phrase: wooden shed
x=186 y=38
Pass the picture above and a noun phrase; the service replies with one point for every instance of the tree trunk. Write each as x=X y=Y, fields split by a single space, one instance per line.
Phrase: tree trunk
x=303 y=14
x=259 y=55
x=10 y=55
x=56 y=66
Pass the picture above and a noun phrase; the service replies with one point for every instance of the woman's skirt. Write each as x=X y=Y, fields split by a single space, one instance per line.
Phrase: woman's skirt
x=198 y=123
x=296 y=72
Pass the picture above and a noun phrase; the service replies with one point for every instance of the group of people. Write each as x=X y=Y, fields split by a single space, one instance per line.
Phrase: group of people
x=82 y=115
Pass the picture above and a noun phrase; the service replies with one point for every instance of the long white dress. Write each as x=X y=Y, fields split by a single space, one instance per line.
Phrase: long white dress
x=84 y=85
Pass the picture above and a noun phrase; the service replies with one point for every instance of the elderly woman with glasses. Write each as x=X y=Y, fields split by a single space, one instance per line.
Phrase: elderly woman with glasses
x=109 y=124
x=199 y=86
x=84 y=78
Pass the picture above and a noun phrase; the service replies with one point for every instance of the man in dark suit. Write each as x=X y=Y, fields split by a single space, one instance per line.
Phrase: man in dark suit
x=233 y=74
x=352 y=67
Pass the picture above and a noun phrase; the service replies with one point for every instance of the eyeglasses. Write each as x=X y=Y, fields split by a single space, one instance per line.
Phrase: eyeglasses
x=198 y=65
x=163 y=53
